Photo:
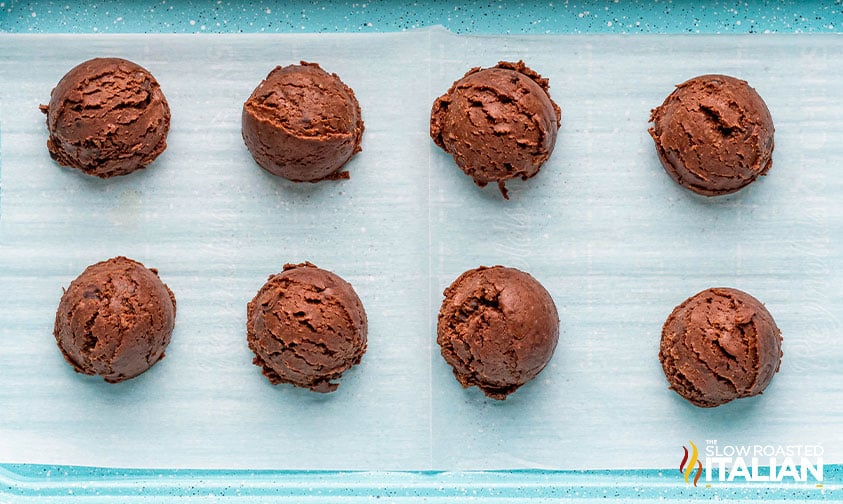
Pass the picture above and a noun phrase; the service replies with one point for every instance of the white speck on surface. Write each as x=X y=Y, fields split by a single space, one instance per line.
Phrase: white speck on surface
x=34 y=14
x=119 y=19
x=608 y=23
x=268 y=11
x=192 y=22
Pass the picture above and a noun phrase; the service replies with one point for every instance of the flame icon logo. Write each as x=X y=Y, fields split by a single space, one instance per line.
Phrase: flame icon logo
x=686 y=467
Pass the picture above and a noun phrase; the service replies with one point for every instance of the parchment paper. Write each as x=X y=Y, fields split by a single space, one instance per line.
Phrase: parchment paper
x=614 y=240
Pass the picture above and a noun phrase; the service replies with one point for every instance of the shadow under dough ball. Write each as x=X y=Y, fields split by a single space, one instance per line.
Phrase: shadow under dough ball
x=302 y=123
x=498 y=123
x=115 y=320
x=718 y=345
x=713 y=134
x=306 y=326
x=498 y=328
x=107 y=117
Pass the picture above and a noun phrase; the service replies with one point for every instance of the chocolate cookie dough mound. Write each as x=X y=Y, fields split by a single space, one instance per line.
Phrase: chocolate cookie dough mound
x=497 y=328
x=115 y=320
x=302 y=123
x=306 y=327
x=718 y=345
x=498 y=123
x=107 y=117
x=713 y=134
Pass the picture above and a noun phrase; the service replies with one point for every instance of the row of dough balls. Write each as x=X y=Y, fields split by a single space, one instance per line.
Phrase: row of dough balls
x=109 y=117
x=497 y=328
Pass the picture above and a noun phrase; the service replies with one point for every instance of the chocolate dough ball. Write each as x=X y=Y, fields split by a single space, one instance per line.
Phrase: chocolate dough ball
x=718 y=345
x=302 y=123
x=115 y=320
x=498 y=123
x=306 y=327
x=713 y=134
x=107 y=117
x=497 y=328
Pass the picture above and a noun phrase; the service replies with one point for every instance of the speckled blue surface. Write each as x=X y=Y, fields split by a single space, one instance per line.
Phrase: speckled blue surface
x=107 y=485
x=478 y=16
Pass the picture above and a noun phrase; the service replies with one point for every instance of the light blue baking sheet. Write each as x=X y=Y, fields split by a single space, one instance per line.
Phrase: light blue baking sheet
x=35 y=484
x=458 y=16
x=616 y=242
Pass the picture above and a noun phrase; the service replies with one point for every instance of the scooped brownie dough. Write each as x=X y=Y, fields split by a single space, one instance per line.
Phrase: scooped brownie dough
x=107 y=117
x=713 y=134
x=718 y=345
x=306 y=327
x=498 y=123
x=498 y=328
x=115 y=320
x=302 y=123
